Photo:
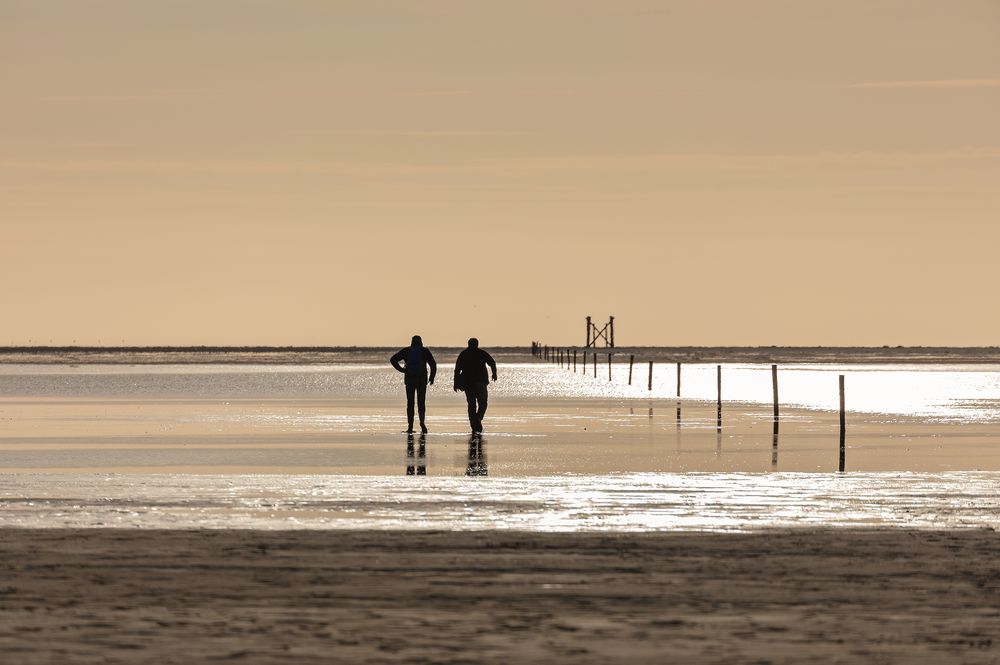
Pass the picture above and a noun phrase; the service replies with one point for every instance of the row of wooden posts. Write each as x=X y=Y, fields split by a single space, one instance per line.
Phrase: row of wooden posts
x=567 y=358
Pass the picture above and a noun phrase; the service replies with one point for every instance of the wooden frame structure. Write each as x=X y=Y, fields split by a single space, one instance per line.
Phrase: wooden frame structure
x=607 y=333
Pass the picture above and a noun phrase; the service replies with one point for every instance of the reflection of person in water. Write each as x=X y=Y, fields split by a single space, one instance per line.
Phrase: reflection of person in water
x=415 y=358
x=471 y=376
x=477 y=456
x=421 y=459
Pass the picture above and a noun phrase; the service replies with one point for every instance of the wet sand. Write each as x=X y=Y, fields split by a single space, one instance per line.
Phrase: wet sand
x=523 y=438
x=137 y=596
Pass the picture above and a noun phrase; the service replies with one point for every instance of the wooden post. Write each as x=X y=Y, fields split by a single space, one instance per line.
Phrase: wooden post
x=631 y=359
x=718 y=418
x=585 y=363
x=650 y=376
x=611 y=324
x=774 y=389
x=595 y=364
x=609 y=367
x=843 y=425
x=574 y=361
x=774 y=431
x=588 y=333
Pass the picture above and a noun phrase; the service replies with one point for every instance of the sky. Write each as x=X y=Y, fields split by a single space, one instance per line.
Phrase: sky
x=734 y=172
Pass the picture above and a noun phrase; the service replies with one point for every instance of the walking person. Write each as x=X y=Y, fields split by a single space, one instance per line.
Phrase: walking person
x=416 y=358
x=471 y=376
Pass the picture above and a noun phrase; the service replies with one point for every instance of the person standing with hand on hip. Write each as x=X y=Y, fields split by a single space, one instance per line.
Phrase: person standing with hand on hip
x=471 y=376
x=416 y=358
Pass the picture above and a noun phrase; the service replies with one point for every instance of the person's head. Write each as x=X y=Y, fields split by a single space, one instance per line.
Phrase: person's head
x=416 y=341
x=473 y=343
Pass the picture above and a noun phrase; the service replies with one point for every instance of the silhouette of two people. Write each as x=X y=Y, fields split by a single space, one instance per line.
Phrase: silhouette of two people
x=471 y=376
x=413 y=362
x=473 y=369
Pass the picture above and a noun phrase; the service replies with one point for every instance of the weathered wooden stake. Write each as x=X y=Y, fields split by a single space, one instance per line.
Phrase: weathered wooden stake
x=774 y=433
x=650 y=376
x=574 y=361
x=631 y=359
x=595 y=364
x=609 y=367
x=718 y=418
x=678 y=379
x=774 y=389
x=843 y=426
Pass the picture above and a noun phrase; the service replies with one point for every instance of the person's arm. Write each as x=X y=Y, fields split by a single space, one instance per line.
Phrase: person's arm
x=394 y=361
x=492 y=363
x=458 y=371
x=434 y=366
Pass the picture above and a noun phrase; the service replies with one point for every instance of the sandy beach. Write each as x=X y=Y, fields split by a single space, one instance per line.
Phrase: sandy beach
x=137 y=596
x=179 y=514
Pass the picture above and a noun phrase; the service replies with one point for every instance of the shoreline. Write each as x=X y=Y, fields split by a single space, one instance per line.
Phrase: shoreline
x=277 y=355
x=784 y=596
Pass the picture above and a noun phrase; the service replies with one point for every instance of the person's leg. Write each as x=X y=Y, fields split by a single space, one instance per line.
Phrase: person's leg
x=422 y=404
x=470 y=398
x=411 y=388
x=483 y=398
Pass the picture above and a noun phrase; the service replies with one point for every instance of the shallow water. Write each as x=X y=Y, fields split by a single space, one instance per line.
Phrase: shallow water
x=626 y=502
x=961 y=393
x=320 y=447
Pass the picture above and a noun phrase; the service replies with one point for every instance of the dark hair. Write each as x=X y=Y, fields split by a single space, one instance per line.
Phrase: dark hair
x=416 y=341
x=473 y=343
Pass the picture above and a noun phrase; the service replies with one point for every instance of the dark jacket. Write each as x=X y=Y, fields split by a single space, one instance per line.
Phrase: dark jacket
x=471 y=367
x=415 y=360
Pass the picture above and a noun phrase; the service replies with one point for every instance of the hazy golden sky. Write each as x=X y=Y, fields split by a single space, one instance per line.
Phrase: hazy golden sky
x=352 y=172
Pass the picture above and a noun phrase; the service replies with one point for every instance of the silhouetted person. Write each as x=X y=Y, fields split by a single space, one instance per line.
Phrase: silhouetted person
x=477 y=457
x=471 y=376
x=415 y=359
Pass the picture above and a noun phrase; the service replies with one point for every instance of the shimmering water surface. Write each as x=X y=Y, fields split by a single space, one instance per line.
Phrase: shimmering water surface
x=321 y=447
x=628 y=502
x=955 y=392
